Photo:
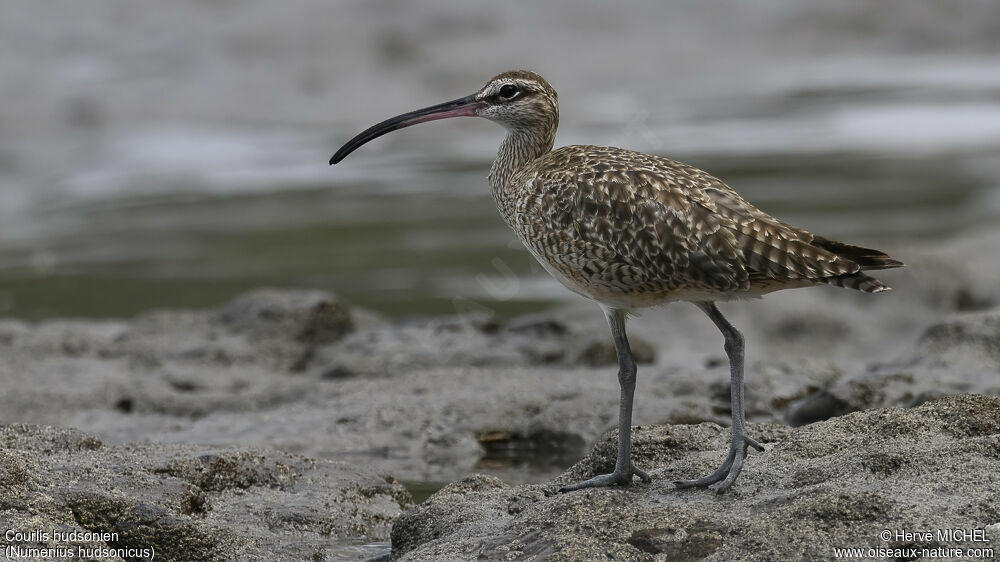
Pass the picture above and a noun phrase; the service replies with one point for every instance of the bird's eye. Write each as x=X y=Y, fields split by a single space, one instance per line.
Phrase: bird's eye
x=508 y=91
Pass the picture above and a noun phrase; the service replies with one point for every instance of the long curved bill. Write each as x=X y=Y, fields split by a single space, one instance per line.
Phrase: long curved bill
x=462 y=107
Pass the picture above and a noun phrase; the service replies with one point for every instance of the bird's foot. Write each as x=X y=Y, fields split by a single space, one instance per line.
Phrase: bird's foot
x=729 y=470
x=616 y=478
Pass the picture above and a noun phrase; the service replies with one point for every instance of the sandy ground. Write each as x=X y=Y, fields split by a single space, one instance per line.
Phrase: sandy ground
x=440 y=398
x=863 y=480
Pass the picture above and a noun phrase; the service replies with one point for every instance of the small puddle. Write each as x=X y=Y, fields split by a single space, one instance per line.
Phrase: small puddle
x=515 y=459
x=422 y=489
x=369 y=552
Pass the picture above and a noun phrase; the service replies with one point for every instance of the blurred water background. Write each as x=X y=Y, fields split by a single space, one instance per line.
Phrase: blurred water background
x=175 y=153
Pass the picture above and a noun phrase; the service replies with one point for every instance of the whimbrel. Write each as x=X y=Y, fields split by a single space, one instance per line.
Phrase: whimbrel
x=630 y=230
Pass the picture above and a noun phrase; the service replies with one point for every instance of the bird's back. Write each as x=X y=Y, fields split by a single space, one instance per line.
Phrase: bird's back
x=635 y=230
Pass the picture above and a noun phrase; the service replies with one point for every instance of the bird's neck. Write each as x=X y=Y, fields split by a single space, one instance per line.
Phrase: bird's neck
x=518 y=149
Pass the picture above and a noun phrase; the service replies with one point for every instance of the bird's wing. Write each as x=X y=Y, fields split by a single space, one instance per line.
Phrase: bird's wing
x=773 y=249
x=640 y=222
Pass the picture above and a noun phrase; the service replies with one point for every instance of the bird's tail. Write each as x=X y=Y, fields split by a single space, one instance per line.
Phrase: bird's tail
x=866 y=258
x=857 y=281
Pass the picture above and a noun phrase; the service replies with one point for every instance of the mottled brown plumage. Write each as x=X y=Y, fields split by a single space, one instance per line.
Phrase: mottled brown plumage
x=635 y=230
x=632 y=230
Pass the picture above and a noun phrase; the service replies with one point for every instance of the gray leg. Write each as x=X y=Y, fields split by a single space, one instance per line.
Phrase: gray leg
x=624 y=470
x=731 y=467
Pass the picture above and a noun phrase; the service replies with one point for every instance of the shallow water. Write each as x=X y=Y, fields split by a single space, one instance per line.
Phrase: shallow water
x=436 y=248
x=368 y=551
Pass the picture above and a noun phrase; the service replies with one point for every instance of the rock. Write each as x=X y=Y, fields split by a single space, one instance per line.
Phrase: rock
x=602 y=352
x=833 y=484
x=959 y=270
x=313 y=317
x=958 y=353
x=184 y=502
x=970 y=339
x=818 y=406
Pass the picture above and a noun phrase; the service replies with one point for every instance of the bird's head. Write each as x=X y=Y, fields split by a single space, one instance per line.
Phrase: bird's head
x=519 y=100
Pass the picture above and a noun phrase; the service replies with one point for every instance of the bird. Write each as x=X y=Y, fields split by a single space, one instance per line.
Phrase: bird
x=630 y=230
